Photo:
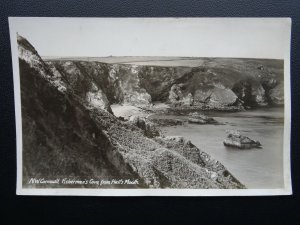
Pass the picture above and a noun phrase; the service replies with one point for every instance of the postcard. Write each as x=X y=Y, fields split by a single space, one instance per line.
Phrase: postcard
x=152 y=106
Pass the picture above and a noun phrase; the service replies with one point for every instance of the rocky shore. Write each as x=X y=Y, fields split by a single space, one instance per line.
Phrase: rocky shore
x=237 y=140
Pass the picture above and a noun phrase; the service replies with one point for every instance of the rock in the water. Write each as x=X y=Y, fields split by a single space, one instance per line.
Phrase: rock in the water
x=200 y=119
x=167 y=122
x=235 y=139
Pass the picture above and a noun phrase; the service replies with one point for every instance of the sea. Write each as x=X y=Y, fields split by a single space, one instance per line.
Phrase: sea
x=255 y=168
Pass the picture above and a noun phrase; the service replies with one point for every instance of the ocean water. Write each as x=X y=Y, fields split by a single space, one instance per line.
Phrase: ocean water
x=255 y=168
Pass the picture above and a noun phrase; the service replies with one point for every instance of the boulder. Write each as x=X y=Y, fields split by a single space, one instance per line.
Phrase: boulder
x=215 y=97
x=201 y=119
x=235 y=139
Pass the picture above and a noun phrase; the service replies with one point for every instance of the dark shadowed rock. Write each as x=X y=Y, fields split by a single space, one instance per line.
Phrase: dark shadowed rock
x=167 y=121
x=235 y=139
x=277 y=95
x=250 y=92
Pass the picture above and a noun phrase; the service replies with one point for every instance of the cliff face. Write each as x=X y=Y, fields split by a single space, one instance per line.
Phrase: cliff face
x=214 y=83
x=68 y=131
x=117 y=83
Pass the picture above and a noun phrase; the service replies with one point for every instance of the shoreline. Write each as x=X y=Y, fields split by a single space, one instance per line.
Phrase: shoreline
x=126 y=110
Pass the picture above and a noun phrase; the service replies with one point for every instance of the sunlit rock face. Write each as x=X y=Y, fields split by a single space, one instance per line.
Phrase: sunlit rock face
x=215 y=97
x=87 y=80
x=96 y=98
x=118 y=83
x=128 y=85
x=29 y=55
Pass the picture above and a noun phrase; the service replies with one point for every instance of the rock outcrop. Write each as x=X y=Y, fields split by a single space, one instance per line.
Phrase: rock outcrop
x=167 y=121
x=235 y=139
x=212 y=168
x=176 y=97
x=249 y=92
x=215 y=97
x=118 y=83
x=147 y=126
x=128 y=85
x=199 y=118
x=82 y=84
x=67 y=135
x=276 y=95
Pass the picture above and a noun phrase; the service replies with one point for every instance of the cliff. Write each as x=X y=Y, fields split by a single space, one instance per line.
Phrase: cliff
x=69 y=131
x=118 y=83
x=213 y=83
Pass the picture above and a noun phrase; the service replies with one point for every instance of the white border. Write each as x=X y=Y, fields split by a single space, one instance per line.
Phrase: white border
x=287 y=190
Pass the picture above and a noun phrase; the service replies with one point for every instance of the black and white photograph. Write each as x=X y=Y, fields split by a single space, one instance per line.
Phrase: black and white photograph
x=152 y=106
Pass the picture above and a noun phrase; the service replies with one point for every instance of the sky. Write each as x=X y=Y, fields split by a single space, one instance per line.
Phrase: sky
x=187 y=37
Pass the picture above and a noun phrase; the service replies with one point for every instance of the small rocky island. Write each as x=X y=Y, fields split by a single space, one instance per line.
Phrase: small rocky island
x=199 y=118
x=235 y=139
